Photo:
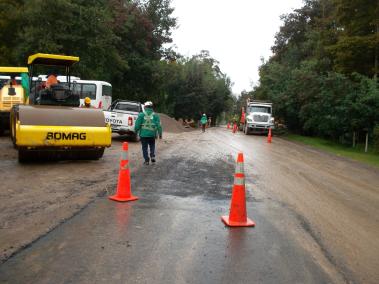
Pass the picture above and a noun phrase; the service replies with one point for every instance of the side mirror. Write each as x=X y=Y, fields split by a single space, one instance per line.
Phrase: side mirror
x=11 y=91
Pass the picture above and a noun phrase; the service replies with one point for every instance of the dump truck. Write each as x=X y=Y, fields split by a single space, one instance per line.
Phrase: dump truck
x=53 y=126
x=11 y=93
x=258 y=117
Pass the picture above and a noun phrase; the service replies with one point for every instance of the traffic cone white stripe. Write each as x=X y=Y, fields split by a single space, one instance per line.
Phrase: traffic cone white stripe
x=239 y=168
x=239 y=181
x=124 y=155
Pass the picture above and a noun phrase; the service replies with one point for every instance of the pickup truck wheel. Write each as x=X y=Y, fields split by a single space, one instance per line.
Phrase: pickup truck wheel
x=136 y=138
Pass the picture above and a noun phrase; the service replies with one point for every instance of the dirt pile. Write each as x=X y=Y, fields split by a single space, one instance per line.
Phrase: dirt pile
x=170 y=125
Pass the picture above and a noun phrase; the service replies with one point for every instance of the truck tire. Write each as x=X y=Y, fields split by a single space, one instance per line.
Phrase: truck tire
x=2 y=125
x=12 y=126
x=246 y=129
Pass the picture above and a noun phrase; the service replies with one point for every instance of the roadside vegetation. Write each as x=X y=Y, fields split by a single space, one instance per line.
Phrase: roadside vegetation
x=126 y=43
x=322 y=77
x=356 y=153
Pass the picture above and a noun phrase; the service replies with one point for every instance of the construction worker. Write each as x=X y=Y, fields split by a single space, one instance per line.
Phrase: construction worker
x=87 y=102
x=12 y=81
x=51 y=80
x=148 y=125
x=203 y=122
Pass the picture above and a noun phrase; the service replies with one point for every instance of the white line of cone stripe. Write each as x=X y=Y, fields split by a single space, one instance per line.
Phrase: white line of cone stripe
x=124 y=155
x=239 y=168
x=239 y=181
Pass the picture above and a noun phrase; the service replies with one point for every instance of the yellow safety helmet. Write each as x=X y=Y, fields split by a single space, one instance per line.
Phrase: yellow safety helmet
x=87 y=100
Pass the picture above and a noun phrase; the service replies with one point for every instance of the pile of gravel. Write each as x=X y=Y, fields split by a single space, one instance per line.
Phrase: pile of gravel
x=170 y=125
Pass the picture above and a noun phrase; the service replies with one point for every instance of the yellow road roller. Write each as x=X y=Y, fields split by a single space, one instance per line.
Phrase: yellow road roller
x=12 y=92
x=53 y=126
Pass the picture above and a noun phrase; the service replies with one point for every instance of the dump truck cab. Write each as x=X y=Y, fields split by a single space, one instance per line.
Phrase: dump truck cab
x=11 y=92
x=52 y=125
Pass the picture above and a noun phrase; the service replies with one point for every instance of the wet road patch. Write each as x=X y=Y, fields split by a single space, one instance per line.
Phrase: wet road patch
x=182 y=177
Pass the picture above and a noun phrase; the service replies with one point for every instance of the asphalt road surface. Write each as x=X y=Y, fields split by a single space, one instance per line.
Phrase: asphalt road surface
x=316 y=215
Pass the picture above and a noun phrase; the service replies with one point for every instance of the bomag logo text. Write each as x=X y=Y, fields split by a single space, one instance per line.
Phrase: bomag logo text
x=66 y=136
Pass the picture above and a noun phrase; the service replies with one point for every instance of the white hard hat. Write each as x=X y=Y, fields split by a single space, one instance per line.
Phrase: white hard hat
x=148 y=103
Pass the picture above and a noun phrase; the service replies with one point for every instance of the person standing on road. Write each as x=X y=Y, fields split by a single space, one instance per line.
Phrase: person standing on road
x=148 y=125
x=203 y=122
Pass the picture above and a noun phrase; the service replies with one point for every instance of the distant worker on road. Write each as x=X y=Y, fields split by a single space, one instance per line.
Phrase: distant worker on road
x=148 y=125
x=203 y=122
x=87 y=103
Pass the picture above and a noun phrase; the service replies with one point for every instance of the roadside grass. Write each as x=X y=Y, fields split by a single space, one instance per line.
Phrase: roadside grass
x=356 y=153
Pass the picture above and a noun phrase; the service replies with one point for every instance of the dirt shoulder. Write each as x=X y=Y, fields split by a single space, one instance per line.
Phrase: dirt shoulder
x=35 y=198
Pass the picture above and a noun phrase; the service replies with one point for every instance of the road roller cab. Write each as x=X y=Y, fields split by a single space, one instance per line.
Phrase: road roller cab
x=53 y=126
x=11 y=92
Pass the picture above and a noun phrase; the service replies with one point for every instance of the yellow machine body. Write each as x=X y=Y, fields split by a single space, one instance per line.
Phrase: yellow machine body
x=62 y=136
x=61 y=127
x=7 y=101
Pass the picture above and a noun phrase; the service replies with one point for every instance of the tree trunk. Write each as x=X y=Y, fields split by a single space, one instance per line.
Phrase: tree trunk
x=366 y=146
x=354 y=139
x=376 y=53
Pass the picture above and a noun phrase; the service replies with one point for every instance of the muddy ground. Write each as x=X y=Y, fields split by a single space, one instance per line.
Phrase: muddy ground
x=327 y=205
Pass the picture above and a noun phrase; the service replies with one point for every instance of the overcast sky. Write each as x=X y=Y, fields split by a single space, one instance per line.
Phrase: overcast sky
x=237 y=33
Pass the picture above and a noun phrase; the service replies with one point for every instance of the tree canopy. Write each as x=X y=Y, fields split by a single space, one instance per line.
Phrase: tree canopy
x=124 y=42
x=322 y=76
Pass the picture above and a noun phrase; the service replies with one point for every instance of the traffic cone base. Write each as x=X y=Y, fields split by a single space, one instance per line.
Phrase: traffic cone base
x=123 y=199
x=248 y=223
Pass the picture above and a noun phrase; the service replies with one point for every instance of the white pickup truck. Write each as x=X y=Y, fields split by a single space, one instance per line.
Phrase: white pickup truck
x=122 y=116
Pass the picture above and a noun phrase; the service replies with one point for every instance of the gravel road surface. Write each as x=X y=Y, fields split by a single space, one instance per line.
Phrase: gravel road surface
x=316 y=215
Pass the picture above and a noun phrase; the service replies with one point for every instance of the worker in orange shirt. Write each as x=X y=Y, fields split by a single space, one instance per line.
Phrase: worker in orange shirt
x=51 y=80
x=12 y=81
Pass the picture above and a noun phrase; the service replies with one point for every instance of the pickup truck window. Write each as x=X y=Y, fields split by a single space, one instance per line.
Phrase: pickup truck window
x=258 y=109
x=128 y=107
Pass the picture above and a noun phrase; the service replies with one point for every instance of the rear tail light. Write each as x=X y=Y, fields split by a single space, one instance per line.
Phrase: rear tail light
x=100 y=104
x=130 y=121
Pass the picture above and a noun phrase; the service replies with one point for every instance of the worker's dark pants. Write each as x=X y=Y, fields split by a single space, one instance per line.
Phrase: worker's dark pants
x=146 y=143
x=203 y=127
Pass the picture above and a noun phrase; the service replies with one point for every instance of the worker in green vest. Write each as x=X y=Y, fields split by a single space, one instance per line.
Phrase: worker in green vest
x=203 y=121
x=148 y=125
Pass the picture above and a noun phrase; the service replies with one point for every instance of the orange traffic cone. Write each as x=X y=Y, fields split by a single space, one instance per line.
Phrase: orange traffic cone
x=269 y=136
x=237 y=215
x=123 y=186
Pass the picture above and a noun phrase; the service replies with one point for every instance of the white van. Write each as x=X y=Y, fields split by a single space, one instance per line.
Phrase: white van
x=99 y=92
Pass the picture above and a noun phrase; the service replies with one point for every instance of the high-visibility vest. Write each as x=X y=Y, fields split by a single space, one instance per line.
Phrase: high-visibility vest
x=148 y=122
